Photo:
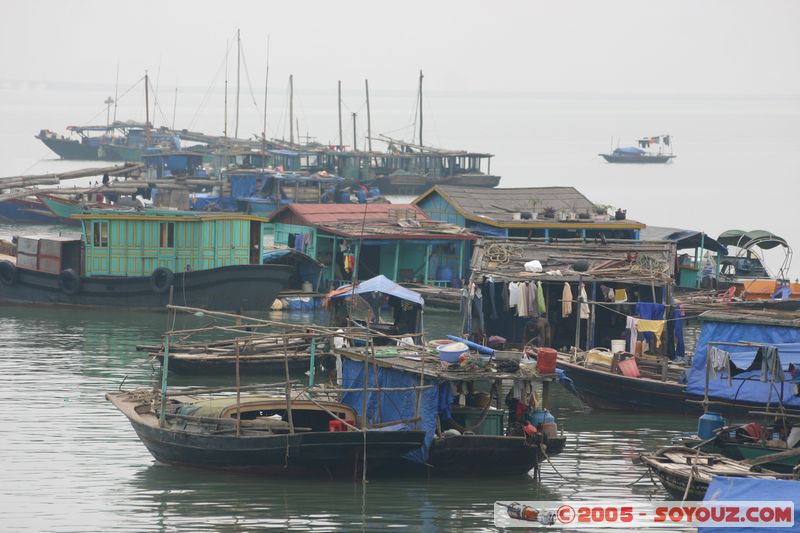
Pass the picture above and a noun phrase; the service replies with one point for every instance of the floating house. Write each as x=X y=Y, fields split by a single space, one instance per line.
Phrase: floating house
x=136 y=259
x=544 y=212
x=616 y=277
x=396 y=240
x=691 y=248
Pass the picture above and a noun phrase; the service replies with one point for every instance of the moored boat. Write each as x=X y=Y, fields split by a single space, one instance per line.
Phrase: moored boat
x=640 y=154
x=686 y=473
x=260 y=433
x=137 y=259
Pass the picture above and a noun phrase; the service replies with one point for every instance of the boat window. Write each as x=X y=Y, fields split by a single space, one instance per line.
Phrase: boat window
x=100 y=234
x=166 y=234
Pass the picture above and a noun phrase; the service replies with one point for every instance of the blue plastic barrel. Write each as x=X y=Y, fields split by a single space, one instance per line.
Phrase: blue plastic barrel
x=444 y=273
x=362 y=197
x=708 y=423
x=344 y=198
x=540 y=416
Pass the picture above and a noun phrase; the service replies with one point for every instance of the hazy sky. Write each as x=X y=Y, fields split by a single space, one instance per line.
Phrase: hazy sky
x=591 y=46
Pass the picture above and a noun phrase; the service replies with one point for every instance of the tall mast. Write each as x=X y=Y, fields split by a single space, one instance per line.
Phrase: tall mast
x=146 y=109
x=420 y=108
x=116 y=93
x=369 y=124
x=341 y=140
x=225 y=126
x=238 y=65
x=108 y=101
x=175 y=105
x=266 y=90
x=355 y=146
x=291 y=109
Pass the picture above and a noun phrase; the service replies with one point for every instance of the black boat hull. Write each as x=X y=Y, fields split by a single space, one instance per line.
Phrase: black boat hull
x=482 y=455
x=603 y=390
x=233 y=288
x=321 y=453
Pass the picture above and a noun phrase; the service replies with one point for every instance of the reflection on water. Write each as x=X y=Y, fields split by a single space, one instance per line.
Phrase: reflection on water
x=63 y=444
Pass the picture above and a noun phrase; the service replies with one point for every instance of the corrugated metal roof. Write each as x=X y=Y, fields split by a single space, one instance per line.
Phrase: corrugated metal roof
x=501 y=204
x=318 y=214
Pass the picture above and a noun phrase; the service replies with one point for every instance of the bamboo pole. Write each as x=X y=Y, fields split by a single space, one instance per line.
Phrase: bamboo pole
x=239 y=395
x=288 y=387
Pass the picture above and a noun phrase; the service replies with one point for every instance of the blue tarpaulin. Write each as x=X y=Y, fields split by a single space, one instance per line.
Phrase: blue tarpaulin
x=752 y=489
x=629 y=150
x=383 y=285
x=746 y=386
x=243 y=186
x=394 y=405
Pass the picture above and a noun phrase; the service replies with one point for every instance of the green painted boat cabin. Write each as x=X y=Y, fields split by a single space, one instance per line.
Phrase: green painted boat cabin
x=396 y=240
x=117 y=243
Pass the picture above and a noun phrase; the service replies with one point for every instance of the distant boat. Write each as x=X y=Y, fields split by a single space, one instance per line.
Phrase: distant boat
x=640 y=154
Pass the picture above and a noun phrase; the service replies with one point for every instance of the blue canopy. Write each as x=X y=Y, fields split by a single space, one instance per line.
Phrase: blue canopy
x=395 y=405
x=753 y=489
x=746 y=386
x=384 y=285
x=629 y=150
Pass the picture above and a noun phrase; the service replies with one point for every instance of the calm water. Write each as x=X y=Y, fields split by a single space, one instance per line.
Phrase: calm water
x=73 y=463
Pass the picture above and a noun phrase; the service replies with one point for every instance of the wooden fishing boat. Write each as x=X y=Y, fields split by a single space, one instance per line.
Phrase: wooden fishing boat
x=484 y=444
x=136 y=260
x=261 y=434
x=740 y=451
x=255 y=354
x=600 y=388
x=678 y=467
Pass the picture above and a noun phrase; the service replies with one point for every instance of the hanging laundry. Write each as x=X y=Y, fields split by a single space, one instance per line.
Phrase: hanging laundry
x=566 y=301
x=477 y=303
x=656 y=327
x=533 y=308
x=771 y=364
x=491 y=288
x=720 y=364
x=584 y=304
x=349 y=263
x=513 y=295
x=632 y=325
x=652 y=311
x=607 y=292
x=522 y=303
x=299 y=242
x=540 y=301
x=620 y=295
